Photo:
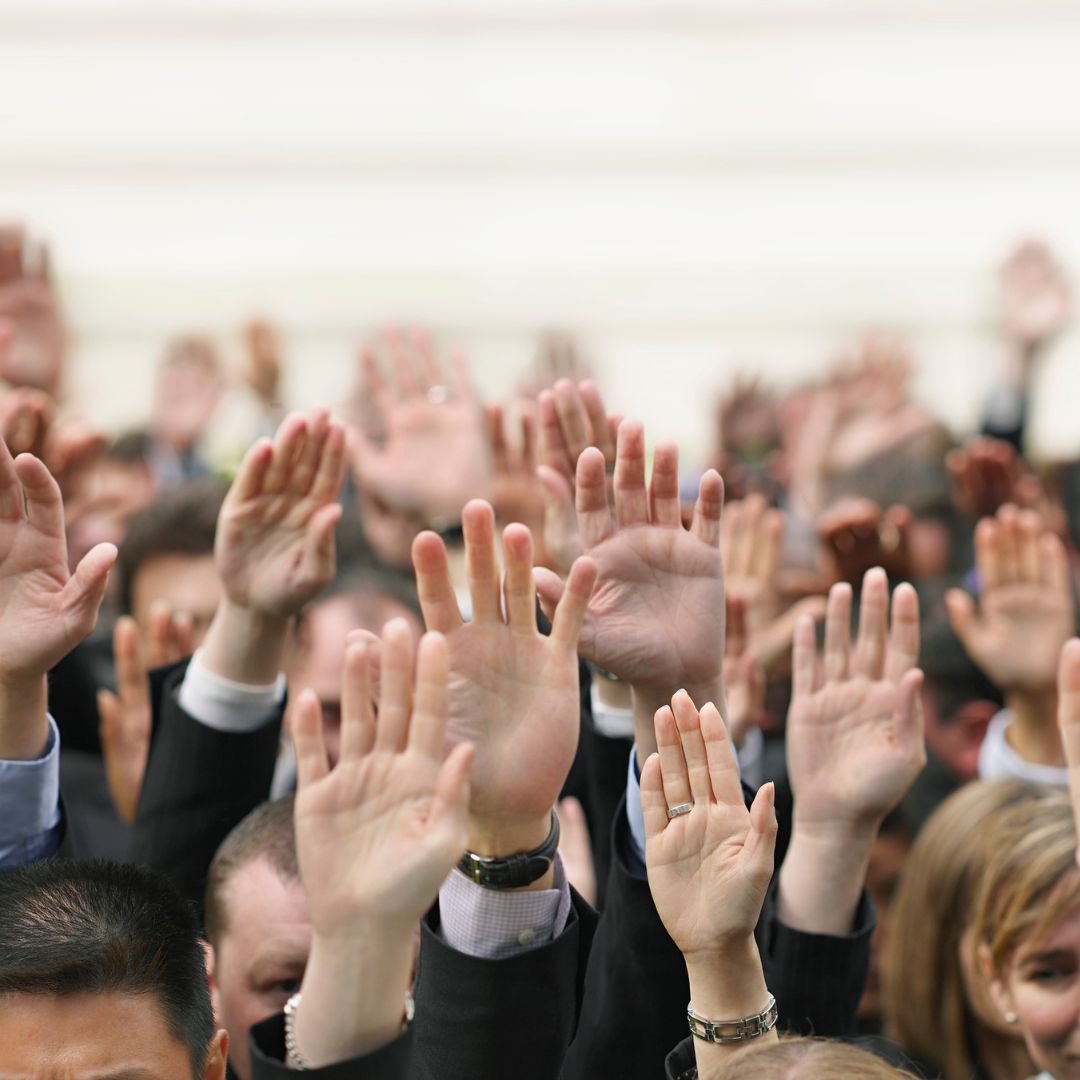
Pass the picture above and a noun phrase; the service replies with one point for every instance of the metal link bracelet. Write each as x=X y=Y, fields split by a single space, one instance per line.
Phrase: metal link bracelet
x=730 y=1031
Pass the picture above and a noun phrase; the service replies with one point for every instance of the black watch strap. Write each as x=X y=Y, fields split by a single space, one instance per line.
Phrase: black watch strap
x=513 y=871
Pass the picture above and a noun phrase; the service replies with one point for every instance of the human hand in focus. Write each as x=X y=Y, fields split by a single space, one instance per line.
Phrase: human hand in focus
x=857 y=536
x=570 y=417
x=987 y=473
x=428 y=455
x=125 y=717
x=375 y=838
x=514 y=693
x=1025 y=613
x=708 y=869
x=1036 y=300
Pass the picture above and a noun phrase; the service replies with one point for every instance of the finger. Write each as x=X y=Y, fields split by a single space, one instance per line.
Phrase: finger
x=320 y=544
x=745 y=535
x=307 y=735
x=481 y=563
x=602 y=432
x=838 y=633
x=183 y=635
x=287 y=443
x=909 y=711
x=450 y=799
x=1055 y=564
x=529 y=453
x=431 y=371
x=461 y=382
x=357 y=698
x=631 y=501
x=803 y=658
x=653 y=801
x=591 y=500
x=377 y=388
x=721 y=764
x=573 y=420
x=709 y=508
x=664 y=504
x=85 y=590
x=728 y=533
x=988 y=560
x=1009 y=532
x=44 y=504
x=132 y=684
x=159 y=632
x=549 y=590
x=251 y=476
x=869 y=656
x=330 y=473
x=438 y=601
x=903 y=650
x=761 y=840
x=310 y=454
x=573 y=602
x=395 y=690
x=960 y=608
x=500 y=451
x=406 y=377
x=553 y=451
x=766 y=550
x=427 y=731
x=676 y=781
x=518 y=586
x=735 y=637
x=1029 y=531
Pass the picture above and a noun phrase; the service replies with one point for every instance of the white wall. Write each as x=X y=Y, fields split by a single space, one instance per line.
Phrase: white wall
x=695 y=185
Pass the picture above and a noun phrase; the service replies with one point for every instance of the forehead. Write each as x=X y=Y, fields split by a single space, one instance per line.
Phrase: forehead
x=264 y=916
x=89 y=1037
x=1064 y=936
x=183 y=579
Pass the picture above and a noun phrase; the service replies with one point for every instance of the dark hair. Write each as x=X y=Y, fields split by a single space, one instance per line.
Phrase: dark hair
x=267 y=832
x=94 y=926
x=179 y=522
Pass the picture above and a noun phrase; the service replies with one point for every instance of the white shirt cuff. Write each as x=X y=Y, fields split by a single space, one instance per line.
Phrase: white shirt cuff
x=612 y=723
x=227 y=705
x=998 y=760
x=493 y=924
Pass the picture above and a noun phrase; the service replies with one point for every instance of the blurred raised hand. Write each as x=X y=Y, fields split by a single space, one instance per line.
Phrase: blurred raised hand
x=744 y=677
x=575 y=847
x=427 y=452
x=856 y=536
x=1036 y=300
x=988 y=473
x=516 y=493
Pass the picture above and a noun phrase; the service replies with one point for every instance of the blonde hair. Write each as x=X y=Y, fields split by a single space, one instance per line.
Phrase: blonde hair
x=1031 y=881
x=925 y=1004
x=809 y=1059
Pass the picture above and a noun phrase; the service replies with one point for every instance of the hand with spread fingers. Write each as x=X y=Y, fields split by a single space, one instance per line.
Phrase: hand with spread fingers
x=45 y=610
x=570 y=418
x=513 y=692
x=709 y=862
x=1025 y=613
x=854 y=747
x=428 y=454
x=126 y=715
x=1036 y=300
x=656 y=618
x=274 y=546
x=375 y=838
x=516 y=493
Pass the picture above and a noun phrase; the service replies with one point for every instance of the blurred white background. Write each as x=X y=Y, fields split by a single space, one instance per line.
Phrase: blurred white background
x=697 y=186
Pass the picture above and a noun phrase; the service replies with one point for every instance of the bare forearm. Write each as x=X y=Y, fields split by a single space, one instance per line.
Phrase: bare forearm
x=1034 y=733
x=354 y=994
x=24 y=725
x=823 y=876
x=244 y=645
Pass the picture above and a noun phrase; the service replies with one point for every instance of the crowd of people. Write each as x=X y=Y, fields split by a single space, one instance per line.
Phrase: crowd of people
x=436 y=738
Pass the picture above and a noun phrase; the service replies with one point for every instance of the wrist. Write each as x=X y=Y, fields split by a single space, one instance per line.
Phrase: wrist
x=1034 y=733
x=245 y=645
x=499 y=839
x=728 y=985
x=24 y=724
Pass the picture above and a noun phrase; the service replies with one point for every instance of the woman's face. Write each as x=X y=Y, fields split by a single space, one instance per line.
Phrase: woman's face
x=1041 y=985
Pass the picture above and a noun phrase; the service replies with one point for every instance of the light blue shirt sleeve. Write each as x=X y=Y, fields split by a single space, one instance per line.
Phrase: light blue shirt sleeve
x=635 y=817
x=30 y=822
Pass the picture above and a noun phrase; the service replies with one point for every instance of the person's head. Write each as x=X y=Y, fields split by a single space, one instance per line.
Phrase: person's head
x=808 y=1059
x=102 y=973
x=1028 y=928
x=258 y=923
x=168 y=554
x=935 y=998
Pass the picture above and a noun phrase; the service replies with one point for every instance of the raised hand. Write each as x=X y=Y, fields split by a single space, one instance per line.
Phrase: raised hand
x=375 y=838
x=45 y=610
x=656 y=618
x=513 y=691
x=857 y=536
x=854 y=747
x=988 y=473
x=571 y=417
x=1025 y=613
x=709 y=869
x=430 y=456
x=126 y=715
x=516 y=493
x=262 y=362
x=1036 y=301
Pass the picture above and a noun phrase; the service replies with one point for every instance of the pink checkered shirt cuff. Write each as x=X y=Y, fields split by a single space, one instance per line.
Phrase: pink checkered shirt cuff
x=493 y=925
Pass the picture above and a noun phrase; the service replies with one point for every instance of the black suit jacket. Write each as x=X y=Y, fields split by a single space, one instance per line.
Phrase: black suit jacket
x=267 y=1043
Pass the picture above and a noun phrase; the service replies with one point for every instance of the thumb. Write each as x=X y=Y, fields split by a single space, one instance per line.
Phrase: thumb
x=450 y=803
x=549 y=589
x=108 y=706
x=962 y=616
x=86 y=587
x=761 y=840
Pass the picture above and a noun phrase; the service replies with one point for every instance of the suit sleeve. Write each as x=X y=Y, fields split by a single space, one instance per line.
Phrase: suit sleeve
x=199 y=783
x=267 y=1043
x=490 y=1019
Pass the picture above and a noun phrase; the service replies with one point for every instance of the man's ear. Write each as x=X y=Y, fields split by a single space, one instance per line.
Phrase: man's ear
x=999 y=991
x=211 y=980
x=217 y=1057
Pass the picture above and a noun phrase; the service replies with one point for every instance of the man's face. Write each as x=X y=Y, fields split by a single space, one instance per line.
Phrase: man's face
x=95 y=1037
x=186 y=583
x=260 y=959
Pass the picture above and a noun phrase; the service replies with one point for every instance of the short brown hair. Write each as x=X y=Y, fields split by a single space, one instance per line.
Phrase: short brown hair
x=266 y=833
x=179 y=522
x=809 y=1059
